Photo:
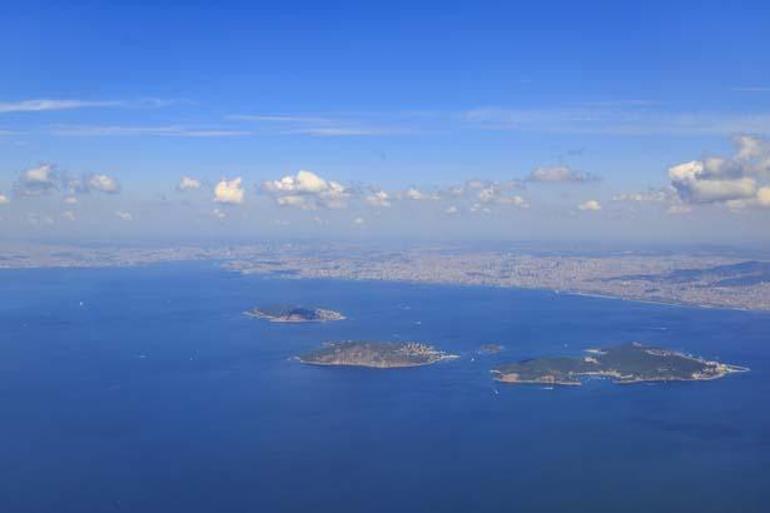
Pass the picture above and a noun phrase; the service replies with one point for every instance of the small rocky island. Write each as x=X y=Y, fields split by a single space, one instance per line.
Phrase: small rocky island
x=490 y=349
x=382 y=355
x=623 y=364
x=295 y=314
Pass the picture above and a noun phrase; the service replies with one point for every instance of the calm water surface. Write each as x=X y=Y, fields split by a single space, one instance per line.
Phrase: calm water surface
x=147 y=390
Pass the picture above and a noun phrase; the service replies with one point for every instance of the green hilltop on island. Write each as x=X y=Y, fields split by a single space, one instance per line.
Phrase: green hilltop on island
x=295 y=314
x=382 y=355
x=624 y=364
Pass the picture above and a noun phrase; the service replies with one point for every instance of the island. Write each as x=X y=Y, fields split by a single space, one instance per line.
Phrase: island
x=295 y=314
x=623 y=364
x=490 y=348
x=381 y=355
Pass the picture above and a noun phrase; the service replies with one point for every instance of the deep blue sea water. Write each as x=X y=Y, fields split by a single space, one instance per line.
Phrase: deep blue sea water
x=147 y=390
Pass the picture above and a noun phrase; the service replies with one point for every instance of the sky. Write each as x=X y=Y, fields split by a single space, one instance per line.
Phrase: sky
x=606 y=121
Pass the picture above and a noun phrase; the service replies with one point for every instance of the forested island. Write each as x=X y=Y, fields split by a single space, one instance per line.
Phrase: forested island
x=383 y=355
x=295 y=314
x=623 y=364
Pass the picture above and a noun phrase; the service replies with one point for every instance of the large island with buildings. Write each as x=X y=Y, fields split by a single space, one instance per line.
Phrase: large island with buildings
x=294 y=314
x=382 y=355
x=624 y=364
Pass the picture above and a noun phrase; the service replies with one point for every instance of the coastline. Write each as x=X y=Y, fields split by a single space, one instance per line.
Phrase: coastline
x=226 y=267
x=556 y=291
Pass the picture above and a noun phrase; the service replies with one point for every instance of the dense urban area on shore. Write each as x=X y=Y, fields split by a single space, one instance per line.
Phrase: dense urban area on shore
x=713 y=280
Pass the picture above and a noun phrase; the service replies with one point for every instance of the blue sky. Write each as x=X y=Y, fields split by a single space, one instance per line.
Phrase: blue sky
x=603 y=98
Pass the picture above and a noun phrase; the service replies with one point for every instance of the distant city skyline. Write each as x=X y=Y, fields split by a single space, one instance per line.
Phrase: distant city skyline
x=138 y=122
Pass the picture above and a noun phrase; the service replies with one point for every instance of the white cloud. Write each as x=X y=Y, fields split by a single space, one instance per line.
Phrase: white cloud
x=307 y=190
x=88 y=183
x=45 y=178
x=187 y=183
x=761 y=200
x=229 y=191
x=69 y=215
x=102 y=183
x=478 y=207
x=295 y=200
x=359 y=221
x=666 y=197
x=451 y=210
x=41 y=174
x=456 y=191
x=763 y=196
x=378 y=199
x=649 y=196
x=304 y=182
x=317 y=126
x=487 y=194
x=338 y=131
x=280 y=118
x=590 y=206
x=516 y=201
x=37 y=181
x=736 y=180
x=125 y=216
x=710 y=191
x=559 y=174
x=750 y=147
x=614 y=117
x=4 y=199
x=155 y=131
x=219 y=214
x=679 y=209
x=495 y=194
x=71 y=200
x=624 y=118
x=415 y=194
x=41 y=105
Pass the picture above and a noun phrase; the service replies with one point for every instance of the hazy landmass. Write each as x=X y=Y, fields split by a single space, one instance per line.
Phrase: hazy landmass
x=709 y=278
x=383 y=355
x=624 y=364
x=698 y=280
x=295 y=314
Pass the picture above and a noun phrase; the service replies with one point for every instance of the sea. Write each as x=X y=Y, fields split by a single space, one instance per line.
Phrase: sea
x=147 y=390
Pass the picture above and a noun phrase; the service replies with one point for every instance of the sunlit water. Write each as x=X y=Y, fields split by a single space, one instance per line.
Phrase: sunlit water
x=147 y=390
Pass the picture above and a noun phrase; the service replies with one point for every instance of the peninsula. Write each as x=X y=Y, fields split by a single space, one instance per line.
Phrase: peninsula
x=295 y=314
x=382 y=355
x=623 y=364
